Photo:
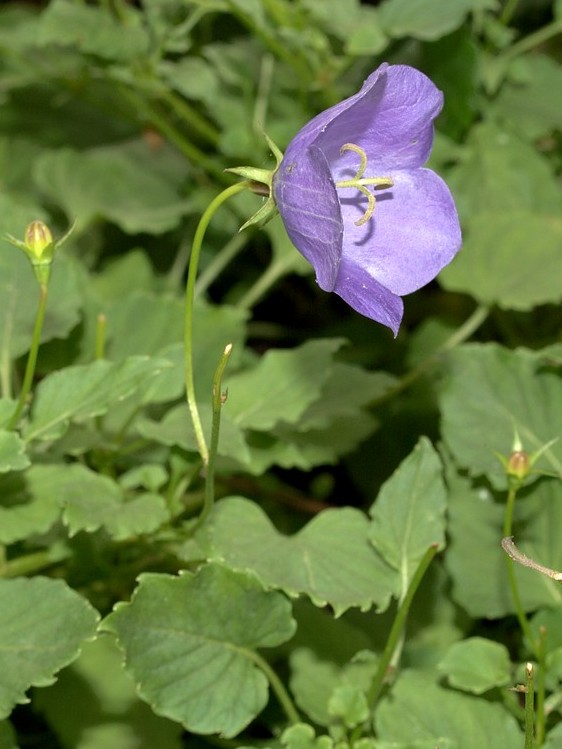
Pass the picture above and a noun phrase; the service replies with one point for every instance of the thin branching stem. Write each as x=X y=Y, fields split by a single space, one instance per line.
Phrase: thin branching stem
x=218 y=399
x=470 y=325
x=31 y=358
x=278 y=687
x=529 y=706
x=397 y=627
x=519 y=610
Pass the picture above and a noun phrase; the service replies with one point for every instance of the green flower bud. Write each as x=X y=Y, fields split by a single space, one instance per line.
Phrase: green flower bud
x=38 y=240
x=518 y=465
x=40 y=247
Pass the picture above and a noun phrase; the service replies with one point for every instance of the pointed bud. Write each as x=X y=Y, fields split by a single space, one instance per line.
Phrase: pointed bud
x=38 y=239
x=39 y=246
x=518 y=465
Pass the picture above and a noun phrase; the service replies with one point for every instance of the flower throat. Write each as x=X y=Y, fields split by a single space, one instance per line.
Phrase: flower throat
x=363 y=183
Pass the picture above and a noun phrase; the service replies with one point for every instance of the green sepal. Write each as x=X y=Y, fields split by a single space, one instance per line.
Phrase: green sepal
x=258 y=179
x=40 y=252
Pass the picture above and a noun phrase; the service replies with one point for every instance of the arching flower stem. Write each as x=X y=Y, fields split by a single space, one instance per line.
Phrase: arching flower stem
x=189 y=299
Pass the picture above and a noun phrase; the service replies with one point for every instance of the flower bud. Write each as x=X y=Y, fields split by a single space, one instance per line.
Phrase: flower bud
x=38 y=239
x=40 y=247
x=518 y=465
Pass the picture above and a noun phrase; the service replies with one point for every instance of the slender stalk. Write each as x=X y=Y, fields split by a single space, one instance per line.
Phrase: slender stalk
x=540 y=711
x=397 y=627
x=160 y=121
x=469 y=326
x=529 y=706
x=532 y=40
x=278 y=687
x=190 y=116
x=218 y=400
x=273 y=273
x=519 y=610
x=220 y=261
x=508 y=11
x=31 y=358
x=33 y=563
x=101 y=328
x=189 y=299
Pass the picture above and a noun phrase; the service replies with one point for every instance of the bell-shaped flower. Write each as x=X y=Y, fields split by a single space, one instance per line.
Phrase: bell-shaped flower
x=358 y=204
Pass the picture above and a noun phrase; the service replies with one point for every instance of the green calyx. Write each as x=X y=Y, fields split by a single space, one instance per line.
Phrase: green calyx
x=40 y=248
x=519 y=464
x=260 y=182
x=363 y=184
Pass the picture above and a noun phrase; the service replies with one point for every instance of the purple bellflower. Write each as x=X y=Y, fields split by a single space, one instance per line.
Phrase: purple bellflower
x=370 y=250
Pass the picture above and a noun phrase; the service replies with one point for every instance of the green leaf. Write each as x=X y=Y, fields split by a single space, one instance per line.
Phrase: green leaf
x=476 y=665
x=509 y=259
x=30 y=507
x=81 y=392
x=176 y=428
x=315 y=561
x=424 y=19
x=113 y=183
x=489 y=393
x=315 y=683
x=487 y=180
x=475 y=560
x=87 y=501
x=93 y=705
x=302 y=736
x=528 y=102
x=91 y=501
x=12 y=452
x=92 y=30
x=417 y=709
x=349 y=704
x=452 y=63
x=159 y=329
x=43 y=624
x=345 y=392
x=368 y=37
x=408 y=515
x=190 y=643
x=19 y=299
x=282 y=385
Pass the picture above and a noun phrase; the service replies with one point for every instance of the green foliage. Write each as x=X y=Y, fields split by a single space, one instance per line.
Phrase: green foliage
x=190 y=643
x=476 y=665
x=264 y=597
x=42 y=626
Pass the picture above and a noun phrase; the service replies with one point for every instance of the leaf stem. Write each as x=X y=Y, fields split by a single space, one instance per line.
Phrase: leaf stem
x=507 y=532
x=278 y=687
x=220 y=261
x=540 y=711
x=508 y=11
x=276 y=270
x=460 y=335
x=532 y=40
x=189 y=299
x=32 y=563
x=397 y=627
x=31 y=358
x=218 y=400
x=529 y=706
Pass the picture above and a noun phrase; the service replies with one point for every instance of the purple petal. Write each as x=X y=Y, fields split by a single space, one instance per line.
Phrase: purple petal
x=413 y=233
x=308 y=202
x=366 y=295
x=391 y=118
